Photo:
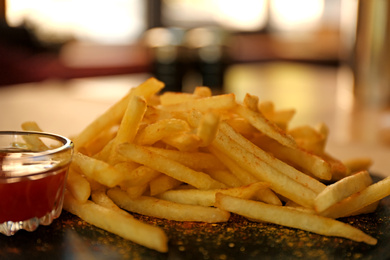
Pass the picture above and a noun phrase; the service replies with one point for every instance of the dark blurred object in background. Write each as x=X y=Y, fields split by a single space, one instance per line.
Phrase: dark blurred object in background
x=22 y=57
x=208 y=55
x=169 y=58
x=89 y=42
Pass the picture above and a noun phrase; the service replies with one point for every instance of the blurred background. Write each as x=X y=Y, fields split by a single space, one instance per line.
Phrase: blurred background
x=183 y=42
x=328 y=59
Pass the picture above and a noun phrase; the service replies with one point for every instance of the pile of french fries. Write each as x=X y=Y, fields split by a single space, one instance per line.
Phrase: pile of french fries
x=201 y=157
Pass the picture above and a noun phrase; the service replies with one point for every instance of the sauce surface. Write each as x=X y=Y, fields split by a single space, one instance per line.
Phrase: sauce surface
x=22 y=198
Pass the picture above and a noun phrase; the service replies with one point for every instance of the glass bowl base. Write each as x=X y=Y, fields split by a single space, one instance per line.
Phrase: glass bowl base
x=9 y=228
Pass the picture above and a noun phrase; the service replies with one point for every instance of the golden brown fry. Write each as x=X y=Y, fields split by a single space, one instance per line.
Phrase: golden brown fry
x=265 y=126
x=97 y=144
x=279 y=165
x=155 y=132
x=137 y=191
x=33 y=142
x=312 y=164
x=219 y=102
x=100 y=197
x=358 y=164
x=341 y=190
x=280 y=183
x=135 y=175
x=202 y=91
x=162 y=183
x=282 y=118
x=207 y=197
x=78 y=186
x=291 y=218
x=208 y=128
x=171 y=98
x=267 y=108
x=241 y=174
x=357 y=201
x=97 y=170
x=151 y=206
x=131 y=120
x=115 y=113
x=118 y=223
x=309 y=139
x=339 y=170
x=185 y=142
x=171 y=168
x=251 y=102
x=194 y=160
x=225 y=177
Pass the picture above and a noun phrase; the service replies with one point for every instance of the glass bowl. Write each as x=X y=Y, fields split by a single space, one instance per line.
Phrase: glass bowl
x=33 y=172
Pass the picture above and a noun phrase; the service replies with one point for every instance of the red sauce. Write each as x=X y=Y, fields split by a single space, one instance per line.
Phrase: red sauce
x=30 y=197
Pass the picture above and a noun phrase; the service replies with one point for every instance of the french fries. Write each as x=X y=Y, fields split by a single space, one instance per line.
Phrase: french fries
x=155 y=207
x=118 y=223
x=115 y=113
x=341 y=190
x=199 y=157
x=291 y=218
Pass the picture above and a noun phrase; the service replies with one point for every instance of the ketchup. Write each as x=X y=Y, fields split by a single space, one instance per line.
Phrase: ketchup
x=34 y=195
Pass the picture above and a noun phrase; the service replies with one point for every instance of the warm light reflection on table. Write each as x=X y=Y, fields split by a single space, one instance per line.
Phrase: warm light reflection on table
x=319 y=94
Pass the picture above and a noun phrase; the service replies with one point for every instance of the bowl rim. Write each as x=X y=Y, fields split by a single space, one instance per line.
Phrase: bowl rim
x=67 y=146
x=66 y=142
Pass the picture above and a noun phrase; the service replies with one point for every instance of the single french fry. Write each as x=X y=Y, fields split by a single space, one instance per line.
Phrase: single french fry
x=186 y=142
x=78 y=185
x=242 y=126
x=171 y=168
x=342 y=189
x=208 y=128
x=162 y=183
x=131 y=120
x=171 y=98
x=339 y=170
x=33 y=142
x=137 y=191
x=207 y=197
x=357 y=201
x=31 y=126
x=282 y=118
x=225 y=177
x=218 y=102
x=291 y=218
x=366 y=210
x=202 y=91
x=251 y=102
x=97 y=170
x=267 y=108
x=358 y=164
x=127 y=129
x=135 y=174
x=194 y=160
x=268 y=196
x=118 y=223
x=155 y=207
x=265 y=126
x=160 y=129
x=309 y=138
